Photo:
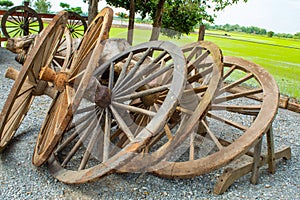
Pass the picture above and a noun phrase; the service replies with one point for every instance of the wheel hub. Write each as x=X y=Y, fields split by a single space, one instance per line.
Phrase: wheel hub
x=103 y=96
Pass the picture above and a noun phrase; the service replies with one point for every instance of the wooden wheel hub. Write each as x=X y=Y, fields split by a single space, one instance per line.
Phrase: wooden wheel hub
x=59 y=79
x=103 y=96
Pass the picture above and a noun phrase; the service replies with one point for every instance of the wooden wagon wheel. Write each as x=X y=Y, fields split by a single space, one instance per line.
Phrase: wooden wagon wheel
x=233 y=124
x=204 y=67
x=67 y=80
x=27 y=83
x=76 y=24
x=21 y=21
x=104 y=116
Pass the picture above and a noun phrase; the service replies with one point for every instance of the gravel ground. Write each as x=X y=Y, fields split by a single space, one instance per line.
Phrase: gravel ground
x=19 y=179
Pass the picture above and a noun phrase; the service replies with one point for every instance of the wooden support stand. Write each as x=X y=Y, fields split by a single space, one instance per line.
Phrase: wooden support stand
x=247 y=163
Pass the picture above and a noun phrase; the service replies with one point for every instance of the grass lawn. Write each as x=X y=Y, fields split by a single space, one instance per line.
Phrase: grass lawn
x=281 y=57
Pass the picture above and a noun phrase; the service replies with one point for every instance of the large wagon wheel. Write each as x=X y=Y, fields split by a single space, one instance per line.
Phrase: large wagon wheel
x=82 y=57
x=21 y=21
x=104 y=116
x=233 y=124
x=204 y=67
x=27 y=83
x=76 y=24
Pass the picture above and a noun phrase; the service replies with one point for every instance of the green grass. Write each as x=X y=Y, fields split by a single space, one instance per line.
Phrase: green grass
x=280 y=57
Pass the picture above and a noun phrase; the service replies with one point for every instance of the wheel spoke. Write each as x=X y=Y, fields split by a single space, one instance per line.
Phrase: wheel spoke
x=83 y=136
x=123 y=72
x=199 y=75
x=212 y=135
x=226 y=121
x=143 y=93
x=146 y=80
x=95 y=134
x=122 y=124
x=241 y=109
x=192 y=65
x=134 y=109
x=134 y=69
x=237 y=95
x=106 y=144
x=241 y=80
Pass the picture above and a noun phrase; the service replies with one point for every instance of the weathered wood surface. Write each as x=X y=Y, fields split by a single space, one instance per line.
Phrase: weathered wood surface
x=21 y=94
x=102 y=157
x=204 y=62
x=83 y=63
x=237 y=147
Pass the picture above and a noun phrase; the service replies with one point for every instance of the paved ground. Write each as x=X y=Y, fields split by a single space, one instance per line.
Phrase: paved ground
x=19 y=179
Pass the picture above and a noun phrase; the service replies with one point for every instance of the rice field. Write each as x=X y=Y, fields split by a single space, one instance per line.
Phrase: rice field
x=280 y=57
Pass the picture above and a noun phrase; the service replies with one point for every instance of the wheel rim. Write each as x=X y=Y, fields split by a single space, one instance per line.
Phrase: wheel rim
x=115 y=117
x=203 y=64
x=224 y=147
x=28 y=23
x=49 y=135
x=76 y=25
x=27 y=83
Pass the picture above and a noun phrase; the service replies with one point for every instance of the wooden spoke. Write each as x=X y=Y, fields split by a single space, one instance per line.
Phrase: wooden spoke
x=143 y=93
x=192 y=146
x=242 y=109
x=226 y=121
x=133 y=75
x=197 y=61
x=146 y=80
x=237 y=95
x=241 y=80
x=134 y=109
x=212 y=135
x=133 y=71
x=106 y=144
x=122 y=124
x=95 y=134
x=199 y=75
x=192 y=53
x=123 y=71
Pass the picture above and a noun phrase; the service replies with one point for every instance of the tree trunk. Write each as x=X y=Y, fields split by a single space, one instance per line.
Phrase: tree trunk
x=92 y=10
x=158 y=20
x=201 y=33
x=131 y=22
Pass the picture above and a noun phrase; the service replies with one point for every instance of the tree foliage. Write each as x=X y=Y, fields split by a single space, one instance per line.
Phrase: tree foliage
x=237 y=28
x=179 y=16
x=297 y=35
x=67 y=7
x=42 y=6
x=270 y=33
x=6 y=4
x=122 y=16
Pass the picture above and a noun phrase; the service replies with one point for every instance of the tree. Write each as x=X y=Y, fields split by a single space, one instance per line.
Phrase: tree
x=270 y=33
x=131 y=22
x=6 y=4
x=42 y=6
x=122 y=16
x=92 y=9
x=297 y=35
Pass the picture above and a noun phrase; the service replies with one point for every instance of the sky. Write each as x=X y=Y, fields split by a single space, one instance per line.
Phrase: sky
x=279 y=16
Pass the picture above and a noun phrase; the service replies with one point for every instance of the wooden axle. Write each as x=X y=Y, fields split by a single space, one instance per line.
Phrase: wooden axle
x=13 y=74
